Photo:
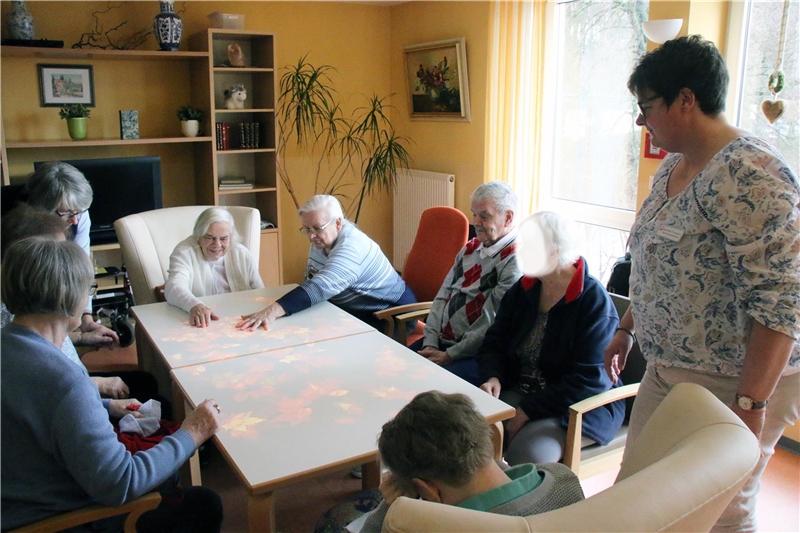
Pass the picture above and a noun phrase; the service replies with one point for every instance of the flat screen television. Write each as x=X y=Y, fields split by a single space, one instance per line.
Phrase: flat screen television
x=122 y=186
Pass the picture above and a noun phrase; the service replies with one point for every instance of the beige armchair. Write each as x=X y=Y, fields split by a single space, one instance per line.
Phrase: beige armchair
x=147 y=240
x=690 y=459
x=133 y=509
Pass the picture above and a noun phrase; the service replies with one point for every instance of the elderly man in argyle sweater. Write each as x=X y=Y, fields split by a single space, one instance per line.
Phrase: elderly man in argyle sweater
x=484 y=269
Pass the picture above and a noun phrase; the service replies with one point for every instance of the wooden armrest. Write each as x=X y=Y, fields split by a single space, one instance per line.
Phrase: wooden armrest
x=390 y=315
x=161 y=295
x=413 y=315
x=572 y=450
x=134 y=509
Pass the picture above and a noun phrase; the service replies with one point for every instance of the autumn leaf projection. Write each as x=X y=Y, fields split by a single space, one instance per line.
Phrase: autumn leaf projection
x=243 y=425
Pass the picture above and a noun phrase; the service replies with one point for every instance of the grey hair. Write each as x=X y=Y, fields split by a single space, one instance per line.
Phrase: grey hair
x=503 y=195
x=43 y=276
x=330 y=204
x=212 y=215
x=57 y=185
x=560 y=235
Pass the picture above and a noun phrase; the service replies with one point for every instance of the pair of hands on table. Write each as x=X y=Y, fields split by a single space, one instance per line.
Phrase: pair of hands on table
x=512 y=426
x=201 y=316
x=262 y=318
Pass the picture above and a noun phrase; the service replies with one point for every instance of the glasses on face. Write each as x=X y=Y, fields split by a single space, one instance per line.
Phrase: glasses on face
x=93 y=289
x=210 y=239
x=642 y=109
x=315 y=231
x=66 y=215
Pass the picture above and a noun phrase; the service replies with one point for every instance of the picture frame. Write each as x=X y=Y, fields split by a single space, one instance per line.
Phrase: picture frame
x=650 y=151
x=437 y=80
x=61 y=85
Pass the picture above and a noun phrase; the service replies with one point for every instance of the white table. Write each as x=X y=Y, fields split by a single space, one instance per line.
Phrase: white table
x=294 y=413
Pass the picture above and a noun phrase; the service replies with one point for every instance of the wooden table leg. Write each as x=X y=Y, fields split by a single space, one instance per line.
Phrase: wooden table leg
x=261 y=513
x=371 y=474
x=497 y=440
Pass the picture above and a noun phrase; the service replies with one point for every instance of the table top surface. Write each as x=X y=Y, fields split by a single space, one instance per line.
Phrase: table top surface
x=181 y=344
x=296 y=412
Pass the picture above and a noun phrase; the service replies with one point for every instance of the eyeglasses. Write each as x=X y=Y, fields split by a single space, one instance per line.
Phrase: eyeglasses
x=315 y=231
x=643 y=110
x=66 y=215
x=93 y=289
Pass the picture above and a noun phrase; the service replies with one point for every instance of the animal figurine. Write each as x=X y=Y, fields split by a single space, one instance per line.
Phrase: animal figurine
x=235 y=97
x=235 y=55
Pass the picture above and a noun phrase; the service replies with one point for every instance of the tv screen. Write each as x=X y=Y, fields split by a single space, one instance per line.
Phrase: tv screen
x=122 y=186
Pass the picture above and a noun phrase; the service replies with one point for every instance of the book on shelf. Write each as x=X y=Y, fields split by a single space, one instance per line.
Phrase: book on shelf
x=235 y=186
x=245 y=136
x=229 y=180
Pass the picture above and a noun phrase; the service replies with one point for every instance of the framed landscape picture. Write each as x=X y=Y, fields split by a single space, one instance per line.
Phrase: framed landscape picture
x=61 y=85
x=438 y=86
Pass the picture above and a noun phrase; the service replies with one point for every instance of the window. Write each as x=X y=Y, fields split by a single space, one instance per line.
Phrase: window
x=591 y=163
x=757 y=26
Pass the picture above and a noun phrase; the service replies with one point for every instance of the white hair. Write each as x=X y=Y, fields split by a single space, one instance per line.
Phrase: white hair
x=559 y=234
x=502 y=194
x=212 y=215
x=329 y=203
x=57 y=185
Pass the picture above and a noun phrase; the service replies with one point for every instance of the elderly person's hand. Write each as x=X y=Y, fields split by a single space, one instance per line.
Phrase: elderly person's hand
x=119 y=408
x=492 y=386
x=112 y=387
x=515 y=424
x=203 y=422
x=263 y=318
x=616 y=354
x=95 y=334
x=436 y=356
x=201 y=316
x=391 y=489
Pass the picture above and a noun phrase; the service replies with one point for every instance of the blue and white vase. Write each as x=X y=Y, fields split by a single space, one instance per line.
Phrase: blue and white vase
x=20 y=21
x=168 y=27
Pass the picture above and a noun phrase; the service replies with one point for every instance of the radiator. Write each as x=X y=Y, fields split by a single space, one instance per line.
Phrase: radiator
x=416 y=191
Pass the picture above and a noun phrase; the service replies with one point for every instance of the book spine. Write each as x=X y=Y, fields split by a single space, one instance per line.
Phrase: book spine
x=256 y=131
x=218 y=129
x=226 y=134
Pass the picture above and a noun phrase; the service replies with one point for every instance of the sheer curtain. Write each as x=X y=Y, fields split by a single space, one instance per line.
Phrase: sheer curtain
x=515 y=79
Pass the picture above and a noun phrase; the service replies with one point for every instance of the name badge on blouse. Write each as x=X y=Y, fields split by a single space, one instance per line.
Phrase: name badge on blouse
x=670 y=232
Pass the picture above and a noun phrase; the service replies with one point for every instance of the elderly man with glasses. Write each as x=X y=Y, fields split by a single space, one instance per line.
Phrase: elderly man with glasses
x=62 y=189
x=345 y=267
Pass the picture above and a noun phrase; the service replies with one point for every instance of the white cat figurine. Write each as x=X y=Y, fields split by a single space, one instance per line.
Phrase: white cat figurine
x=235 y=97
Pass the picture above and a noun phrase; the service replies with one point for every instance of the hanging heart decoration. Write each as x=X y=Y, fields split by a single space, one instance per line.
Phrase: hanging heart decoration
x=772 y=109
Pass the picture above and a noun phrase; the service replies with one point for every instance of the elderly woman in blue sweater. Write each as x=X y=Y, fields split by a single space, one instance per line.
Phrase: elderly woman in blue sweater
x=345 y=267
x=58 y=450
x=545 y=349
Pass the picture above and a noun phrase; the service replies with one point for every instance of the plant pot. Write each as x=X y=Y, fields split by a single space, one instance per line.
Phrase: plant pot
x=77 y=128
x=190 y=128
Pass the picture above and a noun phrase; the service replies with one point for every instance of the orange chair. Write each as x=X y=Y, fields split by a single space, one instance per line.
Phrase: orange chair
x=442 y=232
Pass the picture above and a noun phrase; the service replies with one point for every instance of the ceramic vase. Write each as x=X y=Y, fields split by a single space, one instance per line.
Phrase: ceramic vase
x=168 y=27
x=20 y=21
x=190 y=128
x=77 y=128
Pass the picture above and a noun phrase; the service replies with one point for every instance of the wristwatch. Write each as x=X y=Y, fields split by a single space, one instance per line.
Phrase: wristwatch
x=749 y=404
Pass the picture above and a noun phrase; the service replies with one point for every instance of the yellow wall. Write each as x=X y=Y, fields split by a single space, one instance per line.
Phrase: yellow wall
x=353 y=38
x=452 y=147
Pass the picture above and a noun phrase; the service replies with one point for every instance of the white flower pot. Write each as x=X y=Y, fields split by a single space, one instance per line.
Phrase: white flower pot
x=190 y=128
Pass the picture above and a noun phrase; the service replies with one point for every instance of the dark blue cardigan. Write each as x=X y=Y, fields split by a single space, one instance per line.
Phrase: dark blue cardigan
x=578 y=329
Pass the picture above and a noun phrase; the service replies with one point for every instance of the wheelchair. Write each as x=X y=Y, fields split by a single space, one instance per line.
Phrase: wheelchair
x=113 y=307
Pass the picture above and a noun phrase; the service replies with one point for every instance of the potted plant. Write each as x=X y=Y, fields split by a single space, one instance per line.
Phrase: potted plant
x=75 y=115
x=190 y=120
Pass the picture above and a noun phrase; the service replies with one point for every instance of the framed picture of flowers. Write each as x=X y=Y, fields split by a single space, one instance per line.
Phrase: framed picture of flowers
x=438 y=87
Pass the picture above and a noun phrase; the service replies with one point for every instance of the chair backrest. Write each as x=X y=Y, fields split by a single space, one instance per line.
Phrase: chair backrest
x=147 y=240
x=442 y=232
x=690 y=459
x=635 y=364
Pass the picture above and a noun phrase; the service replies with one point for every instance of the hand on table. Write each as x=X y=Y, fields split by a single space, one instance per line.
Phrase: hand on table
x=262 y=318
x=391 y=490
x=201 y=316
x=119 y=408
x=436 y=356
x=616 y=354
x=112 y=387
x=492 y=386
x=515 y=424
x=203 y=422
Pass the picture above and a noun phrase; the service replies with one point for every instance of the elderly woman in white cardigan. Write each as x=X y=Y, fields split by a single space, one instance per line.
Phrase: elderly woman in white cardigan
x=211 y=261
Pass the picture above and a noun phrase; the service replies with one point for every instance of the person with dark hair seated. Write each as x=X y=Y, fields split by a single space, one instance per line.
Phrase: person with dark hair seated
x=54 y=419
x=439 y=448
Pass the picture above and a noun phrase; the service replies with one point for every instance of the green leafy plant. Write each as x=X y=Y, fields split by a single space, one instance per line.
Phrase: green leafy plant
x=363 y=144
x=74 y=111
x=188 y=112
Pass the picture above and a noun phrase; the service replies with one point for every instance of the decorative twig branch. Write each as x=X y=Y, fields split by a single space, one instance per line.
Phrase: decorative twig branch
x=105 y=40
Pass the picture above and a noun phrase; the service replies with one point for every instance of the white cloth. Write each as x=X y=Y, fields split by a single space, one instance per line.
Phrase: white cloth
x=144 y=427
x=191 y=276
